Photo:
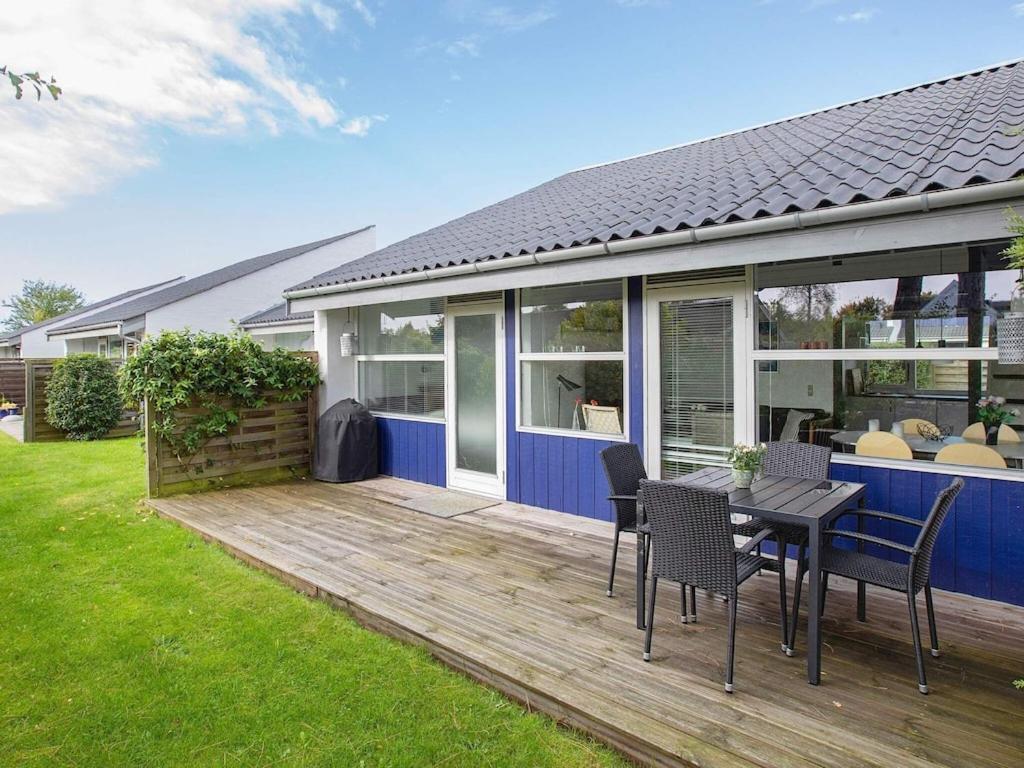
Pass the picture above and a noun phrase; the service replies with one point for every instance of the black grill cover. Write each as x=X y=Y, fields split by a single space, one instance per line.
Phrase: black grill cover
x=346 y=443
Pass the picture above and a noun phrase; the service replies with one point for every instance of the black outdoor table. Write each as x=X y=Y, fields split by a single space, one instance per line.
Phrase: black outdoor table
x=813 y=504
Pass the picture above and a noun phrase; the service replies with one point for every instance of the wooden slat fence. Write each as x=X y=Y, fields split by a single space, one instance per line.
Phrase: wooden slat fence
x=268 y=443
x=12 y=381
x=37 y=375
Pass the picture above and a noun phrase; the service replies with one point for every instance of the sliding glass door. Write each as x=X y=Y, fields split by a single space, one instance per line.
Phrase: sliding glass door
x=699 y=403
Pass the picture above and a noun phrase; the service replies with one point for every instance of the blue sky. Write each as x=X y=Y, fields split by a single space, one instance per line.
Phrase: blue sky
x=249 y=139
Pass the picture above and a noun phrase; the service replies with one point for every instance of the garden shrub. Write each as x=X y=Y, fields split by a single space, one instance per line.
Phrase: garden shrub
x=219 y=373
x=82 y=397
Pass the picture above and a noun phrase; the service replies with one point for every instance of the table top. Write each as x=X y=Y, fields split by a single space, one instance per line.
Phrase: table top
x=1012 y=451
x=781 y=498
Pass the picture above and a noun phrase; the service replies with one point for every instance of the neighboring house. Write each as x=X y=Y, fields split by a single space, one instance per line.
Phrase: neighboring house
x=274 y=327
x=31 y=341
x=503 y=350
x=212 y=302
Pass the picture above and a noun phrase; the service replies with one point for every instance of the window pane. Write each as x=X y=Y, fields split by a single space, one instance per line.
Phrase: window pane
x=586 y=317
x=413 y=388
x=402 y=327
x=938 y=300
x=561 y=394
x=834 y=402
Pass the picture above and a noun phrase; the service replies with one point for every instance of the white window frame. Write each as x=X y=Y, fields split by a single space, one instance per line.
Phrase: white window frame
x=405 y=358
x=898 y=353
x=621 y=357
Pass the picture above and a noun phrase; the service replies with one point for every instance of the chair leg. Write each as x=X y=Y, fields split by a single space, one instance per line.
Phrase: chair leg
x=684 y=615
x=824 y=591
x=932 y=630
x=693 y=605
x=922 y=682
x=650 y=619
x=781 y=543
x=647 y=552
x=615 y=555
x=800 y=571
x=731 y=653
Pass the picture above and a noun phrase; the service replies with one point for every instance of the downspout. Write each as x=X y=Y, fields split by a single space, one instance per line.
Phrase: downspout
x=920 y=203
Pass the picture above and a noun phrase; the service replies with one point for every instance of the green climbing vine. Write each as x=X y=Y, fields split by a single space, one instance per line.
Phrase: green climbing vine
x=214 y=375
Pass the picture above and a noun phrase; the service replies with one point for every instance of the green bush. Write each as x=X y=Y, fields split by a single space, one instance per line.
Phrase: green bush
x=82 y=397
x=219 y=373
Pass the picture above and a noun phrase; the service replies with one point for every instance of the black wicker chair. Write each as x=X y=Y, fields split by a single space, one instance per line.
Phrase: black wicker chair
x=909 y=578
x=692 y=541
x=624 y=468
x=803 y=460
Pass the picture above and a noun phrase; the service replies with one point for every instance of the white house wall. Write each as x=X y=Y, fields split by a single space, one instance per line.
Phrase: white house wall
x=217 y=309
x=34 y=344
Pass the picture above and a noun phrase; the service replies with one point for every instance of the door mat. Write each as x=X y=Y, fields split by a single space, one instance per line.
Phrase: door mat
x=447 y=504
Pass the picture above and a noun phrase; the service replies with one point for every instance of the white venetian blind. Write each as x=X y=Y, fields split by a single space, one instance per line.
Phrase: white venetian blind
x=696 y=384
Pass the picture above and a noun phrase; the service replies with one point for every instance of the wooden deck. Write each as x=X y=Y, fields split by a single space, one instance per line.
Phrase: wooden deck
x=515 y=596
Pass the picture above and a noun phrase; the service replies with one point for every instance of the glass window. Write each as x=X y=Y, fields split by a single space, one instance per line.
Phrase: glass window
x=571 y=358
x=873 y=334
x=401 y=358
x=402 y=327
x=573 y=394
x=406 y=388
x=577 y=318
x=834 y=402
x=921 y=300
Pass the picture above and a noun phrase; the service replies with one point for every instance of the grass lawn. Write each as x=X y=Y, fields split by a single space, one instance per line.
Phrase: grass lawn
x=125 y=640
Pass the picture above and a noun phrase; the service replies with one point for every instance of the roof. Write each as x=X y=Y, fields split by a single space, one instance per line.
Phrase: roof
x=275 y=314
x=11 y=336
x=139 y=307
x=946 y=134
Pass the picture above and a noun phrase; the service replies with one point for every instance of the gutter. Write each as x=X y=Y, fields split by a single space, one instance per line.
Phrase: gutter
x=920 y=203
x=84 y=329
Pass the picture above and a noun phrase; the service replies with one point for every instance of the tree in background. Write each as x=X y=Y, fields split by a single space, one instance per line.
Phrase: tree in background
x=38 y=301
x=18 y=82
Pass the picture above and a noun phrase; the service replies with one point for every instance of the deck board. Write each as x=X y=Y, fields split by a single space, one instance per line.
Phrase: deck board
x=514 y=596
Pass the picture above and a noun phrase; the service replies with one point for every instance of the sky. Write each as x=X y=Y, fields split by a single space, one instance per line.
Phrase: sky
x=194 y=133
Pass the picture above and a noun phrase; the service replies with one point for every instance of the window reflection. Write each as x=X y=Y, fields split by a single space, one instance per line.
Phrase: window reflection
x=935 y=309
x=831 y=402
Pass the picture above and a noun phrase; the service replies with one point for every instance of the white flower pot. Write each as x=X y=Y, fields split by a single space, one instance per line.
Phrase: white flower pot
x=742 y=478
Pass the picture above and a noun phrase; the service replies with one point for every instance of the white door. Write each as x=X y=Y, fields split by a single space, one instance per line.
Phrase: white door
x=701 y=403
x=475 y=376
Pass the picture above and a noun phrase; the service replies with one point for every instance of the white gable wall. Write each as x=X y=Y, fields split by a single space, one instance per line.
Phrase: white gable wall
x=218 y=309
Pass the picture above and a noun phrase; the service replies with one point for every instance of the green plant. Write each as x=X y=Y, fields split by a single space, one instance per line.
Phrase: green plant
x=747 y=458
x=219 y=373
x=992 y=411
x=82 y=397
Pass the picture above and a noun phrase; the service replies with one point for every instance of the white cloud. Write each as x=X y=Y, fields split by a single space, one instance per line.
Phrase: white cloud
x=126 y=68
x=504 y=18
x=360 y=7
x=360 y=126
x=325 y=14
x=1018 y=9
x=861 y=16
x=498 y=16
x=464 y=46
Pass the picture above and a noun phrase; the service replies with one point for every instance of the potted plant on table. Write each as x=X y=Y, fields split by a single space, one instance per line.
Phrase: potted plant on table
x=746 y=463
x=993 y=413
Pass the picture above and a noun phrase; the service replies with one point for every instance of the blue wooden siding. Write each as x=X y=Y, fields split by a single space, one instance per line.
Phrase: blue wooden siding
x=979 y=549
x=413 y=450
x=563 y=472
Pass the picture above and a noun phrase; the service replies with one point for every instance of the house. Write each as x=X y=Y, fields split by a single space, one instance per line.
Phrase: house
x=31 y=341
x=697 y=296
x=275 y=328
x=212 y=302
